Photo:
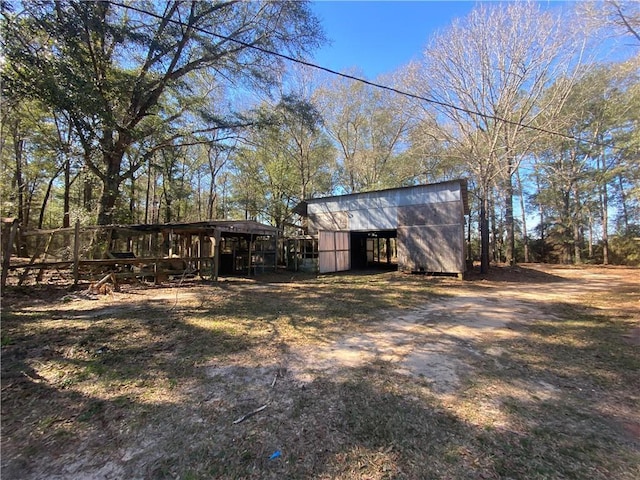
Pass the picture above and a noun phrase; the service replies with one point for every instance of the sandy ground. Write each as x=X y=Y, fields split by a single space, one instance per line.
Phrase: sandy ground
x=433 y=342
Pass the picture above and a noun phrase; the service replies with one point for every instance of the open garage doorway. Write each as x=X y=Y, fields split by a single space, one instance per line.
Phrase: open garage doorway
x=374 y=250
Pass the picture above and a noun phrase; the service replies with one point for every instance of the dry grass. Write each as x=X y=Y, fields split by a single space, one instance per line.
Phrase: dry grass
x=148 y=383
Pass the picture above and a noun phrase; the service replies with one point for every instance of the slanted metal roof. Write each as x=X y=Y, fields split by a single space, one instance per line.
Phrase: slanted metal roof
x=247 y=227
x=240 y=227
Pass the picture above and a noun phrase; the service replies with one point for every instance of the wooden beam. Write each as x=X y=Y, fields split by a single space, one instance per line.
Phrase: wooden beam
x=6 y=260
x=76 y=252
x=250 y=250
x=216 y=253
x=24 y=274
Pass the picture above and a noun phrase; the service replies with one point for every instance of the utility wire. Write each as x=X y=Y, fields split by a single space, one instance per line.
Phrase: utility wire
x=361 y=80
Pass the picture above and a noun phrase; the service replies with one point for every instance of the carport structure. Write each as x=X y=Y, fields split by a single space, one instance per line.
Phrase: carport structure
x=418 y=229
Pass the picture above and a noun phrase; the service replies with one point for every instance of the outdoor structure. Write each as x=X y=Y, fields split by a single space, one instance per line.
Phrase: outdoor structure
x=155 y=251
x=301 y=253
x=418 y=228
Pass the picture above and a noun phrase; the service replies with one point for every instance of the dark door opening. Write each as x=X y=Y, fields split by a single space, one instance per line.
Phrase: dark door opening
x=374 y=250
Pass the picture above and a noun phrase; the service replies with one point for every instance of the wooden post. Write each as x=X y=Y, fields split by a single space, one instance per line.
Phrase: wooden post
x=6 y=260
x=388 y=250
x=250 y=250
x=278 y=251
x=44 y=259
x=76 y=253
x=200 y=251
x=188 y=250
x=216 y=253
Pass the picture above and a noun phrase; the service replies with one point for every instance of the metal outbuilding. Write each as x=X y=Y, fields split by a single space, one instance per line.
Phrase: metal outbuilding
x=418 y=228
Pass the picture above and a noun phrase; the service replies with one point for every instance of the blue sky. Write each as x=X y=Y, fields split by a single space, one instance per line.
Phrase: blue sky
x=381 y=36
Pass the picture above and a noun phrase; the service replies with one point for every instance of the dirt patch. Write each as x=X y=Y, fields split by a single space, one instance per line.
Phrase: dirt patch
x=522 y=374
x=432 y=342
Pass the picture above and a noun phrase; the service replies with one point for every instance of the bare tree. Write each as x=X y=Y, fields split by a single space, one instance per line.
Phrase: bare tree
x=623 y=18
x=368 y=127
x=489 y=76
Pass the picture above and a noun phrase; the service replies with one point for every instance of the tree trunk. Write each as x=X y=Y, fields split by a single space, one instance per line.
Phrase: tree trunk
x=577 y=256
x=18 y=145
x=132 y=201
x=590 y=237
x=510 y=250
x=110 y=187
x=484 y=235
x=491 y=215
x=625 y=211
x=112 y=155
x=87 y=193
x=45 y=200
x=605 y=223
x=66 y=214
x=525 y=237
x=199 y=198
x=168 y=211
x=211 y=204
x=469 y=254
x=23 y=219
x=604 y=206
x=543 y=249
x=566 y=225
x=148 y=194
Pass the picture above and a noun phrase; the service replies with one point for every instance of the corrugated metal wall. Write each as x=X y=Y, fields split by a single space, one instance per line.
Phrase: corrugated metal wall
x=431 y=238
x=429 y=220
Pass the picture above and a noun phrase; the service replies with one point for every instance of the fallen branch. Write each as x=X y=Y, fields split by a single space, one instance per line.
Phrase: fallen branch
x=105 y=279
x=101 y=286
x=250 y=414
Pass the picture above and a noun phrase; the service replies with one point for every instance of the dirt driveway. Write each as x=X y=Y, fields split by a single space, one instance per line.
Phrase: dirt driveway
x=436 y=340
x=529 y=373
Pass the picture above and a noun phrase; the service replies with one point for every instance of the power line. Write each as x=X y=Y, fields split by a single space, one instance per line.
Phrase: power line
x=361 y=80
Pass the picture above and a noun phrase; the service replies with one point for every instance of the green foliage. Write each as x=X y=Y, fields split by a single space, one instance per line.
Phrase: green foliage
x=139 y=113
x=625 y=250
x=288 y=159
x=578 y=184
x=121 y=72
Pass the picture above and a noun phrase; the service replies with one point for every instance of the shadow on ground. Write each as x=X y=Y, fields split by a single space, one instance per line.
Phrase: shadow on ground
x=146 y=391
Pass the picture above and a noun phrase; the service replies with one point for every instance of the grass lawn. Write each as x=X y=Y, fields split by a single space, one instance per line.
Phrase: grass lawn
x=171 y=382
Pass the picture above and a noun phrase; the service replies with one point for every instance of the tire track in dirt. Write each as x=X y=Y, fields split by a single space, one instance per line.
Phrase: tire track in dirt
x=434 y=342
